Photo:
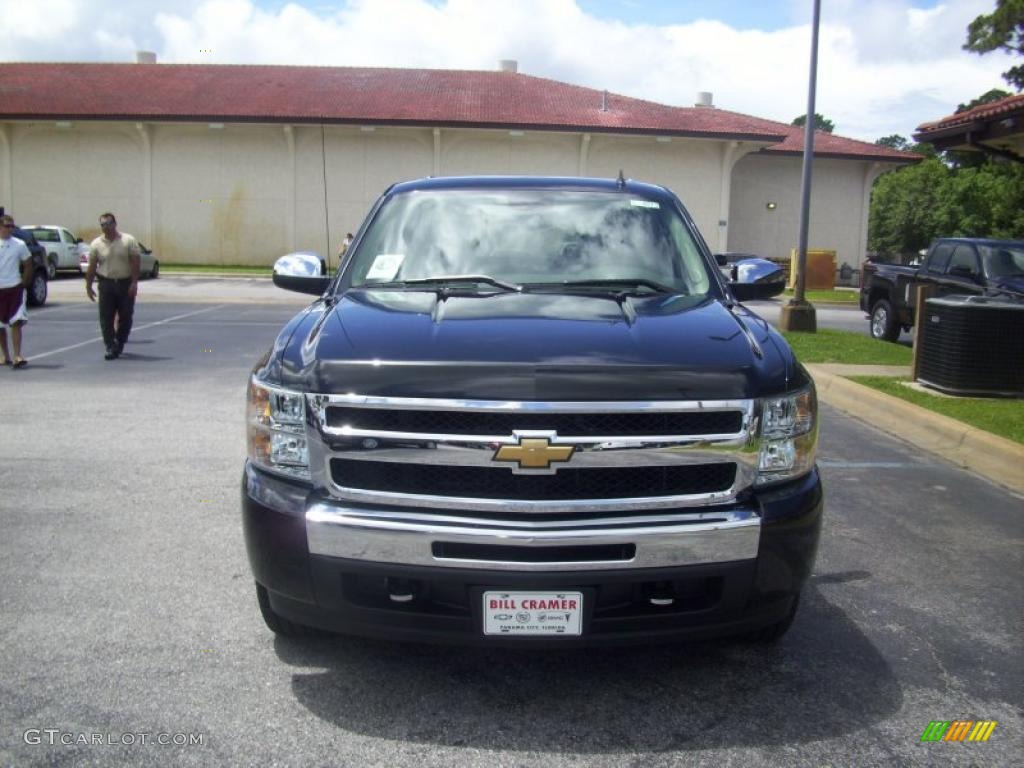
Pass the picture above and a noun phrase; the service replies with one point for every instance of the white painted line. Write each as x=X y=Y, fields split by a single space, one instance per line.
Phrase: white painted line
x=218 y=323
x=134 y=328
x=867 y=464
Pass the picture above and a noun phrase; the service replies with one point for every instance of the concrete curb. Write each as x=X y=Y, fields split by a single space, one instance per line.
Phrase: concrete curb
x=996 y=458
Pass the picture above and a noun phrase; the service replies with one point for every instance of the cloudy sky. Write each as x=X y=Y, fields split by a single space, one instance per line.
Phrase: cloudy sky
x=885 y=66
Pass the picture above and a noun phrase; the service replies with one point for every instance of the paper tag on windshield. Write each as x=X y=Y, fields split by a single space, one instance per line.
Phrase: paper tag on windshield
x=644 y=204
x=385 y=266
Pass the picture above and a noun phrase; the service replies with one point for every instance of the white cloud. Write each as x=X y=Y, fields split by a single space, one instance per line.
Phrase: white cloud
x=884 y=66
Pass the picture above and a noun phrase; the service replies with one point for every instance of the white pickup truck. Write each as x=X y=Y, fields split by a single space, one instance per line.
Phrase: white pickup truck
x=63 y=249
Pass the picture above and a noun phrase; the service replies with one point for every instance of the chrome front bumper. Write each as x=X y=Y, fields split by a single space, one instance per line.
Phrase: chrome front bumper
x=655 y=541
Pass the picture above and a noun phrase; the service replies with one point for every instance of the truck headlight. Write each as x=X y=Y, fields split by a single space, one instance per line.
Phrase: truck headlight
x=276 y=430
x=789 y=436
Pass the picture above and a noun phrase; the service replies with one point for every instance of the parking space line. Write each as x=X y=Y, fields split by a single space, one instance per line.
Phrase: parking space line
x=134 y=328
x=835 y=464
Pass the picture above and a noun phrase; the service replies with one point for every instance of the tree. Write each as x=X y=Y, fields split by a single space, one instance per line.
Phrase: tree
x=912 y=206
x=986 y=98
x=820 y=123
x=1001 y=30
x=903 y=144
x=895 y=141
x=905 y=208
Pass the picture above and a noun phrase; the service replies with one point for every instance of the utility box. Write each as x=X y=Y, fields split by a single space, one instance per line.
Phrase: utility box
x=972 y=345
x=821 y=270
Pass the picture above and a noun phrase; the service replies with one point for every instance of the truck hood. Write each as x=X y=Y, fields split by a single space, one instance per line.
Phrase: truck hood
x=531 y=346
x=1010 y=284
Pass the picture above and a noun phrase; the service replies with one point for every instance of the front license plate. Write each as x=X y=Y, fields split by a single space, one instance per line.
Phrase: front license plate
x=533 y=613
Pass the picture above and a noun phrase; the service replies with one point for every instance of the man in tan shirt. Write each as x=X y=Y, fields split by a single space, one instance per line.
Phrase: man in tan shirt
x=114 y=257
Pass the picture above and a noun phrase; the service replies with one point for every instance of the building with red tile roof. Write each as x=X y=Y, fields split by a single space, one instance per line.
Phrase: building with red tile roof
x=221 y=146
x=995 y=128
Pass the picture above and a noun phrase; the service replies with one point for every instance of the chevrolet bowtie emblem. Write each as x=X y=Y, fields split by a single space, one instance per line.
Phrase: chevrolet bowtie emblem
x=534 y=453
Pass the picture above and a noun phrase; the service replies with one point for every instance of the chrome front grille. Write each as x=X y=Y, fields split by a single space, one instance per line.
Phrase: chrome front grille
x=683 y=423
x=565 y=484
x=445 y=454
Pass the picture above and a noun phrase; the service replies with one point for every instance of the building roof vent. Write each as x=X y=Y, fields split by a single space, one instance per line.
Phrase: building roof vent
x=508 y=65
x=704 y=99
x=145 y=57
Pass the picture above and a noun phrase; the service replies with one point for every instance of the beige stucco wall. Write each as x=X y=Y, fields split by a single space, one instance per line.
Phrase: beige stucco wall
x=245 y=194
x=70 y=176
x=838 y=216
x=691 y=168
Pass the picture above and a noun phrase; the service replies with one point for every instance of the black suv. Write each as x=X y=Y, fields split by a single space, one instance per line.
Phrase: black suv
x=37 y=290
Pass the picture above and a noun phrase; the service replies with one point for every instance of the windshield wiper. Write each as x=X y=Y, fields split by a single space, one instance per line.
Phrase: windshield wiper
x=443 y=280
x=624 y=283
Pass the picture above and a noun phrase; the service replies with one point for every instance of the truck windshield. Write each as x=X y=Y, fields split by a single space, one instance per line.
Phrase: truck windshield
x=531 y=238
x=1004 y=261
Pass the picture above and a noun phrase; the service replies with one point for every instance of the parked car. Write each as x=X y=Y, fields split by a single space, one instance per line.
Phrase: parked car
x=148 y=265
x=37 y=290
x=63 y=249
x=954 y=265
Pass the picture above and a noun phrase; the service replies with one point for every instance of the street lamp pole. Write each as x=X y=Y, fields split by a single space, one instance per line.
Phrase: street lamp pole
x=799 y=314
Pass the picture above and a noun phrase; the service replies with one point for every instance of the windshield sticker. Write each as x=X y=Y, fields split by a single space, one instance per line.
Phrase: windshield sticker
x=385 y=266
x=644 y=204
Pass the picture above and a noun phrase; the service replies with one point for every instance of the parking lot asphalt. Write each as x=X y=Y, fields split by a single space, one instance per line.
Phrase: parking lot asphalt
x=993 y=457
x=127 y=606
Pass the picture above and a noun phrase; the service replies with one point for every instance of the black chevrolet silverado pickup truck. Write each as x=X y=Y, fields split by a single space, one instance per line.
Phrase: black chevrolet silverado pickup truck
x=954 y=265
x=529 y=412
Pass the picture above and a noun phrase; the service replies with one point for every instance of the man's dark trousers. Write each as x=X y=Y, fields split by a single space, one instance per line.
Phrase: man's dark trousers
x=115 y=301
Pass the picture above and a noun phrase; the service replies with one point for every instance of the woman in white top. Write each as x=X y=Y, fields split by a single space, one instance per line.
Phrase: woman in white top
x=15 y=274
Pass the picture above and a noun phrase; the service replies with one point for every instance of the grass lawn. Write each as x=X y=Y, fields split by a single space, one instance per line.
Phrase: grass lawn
x=1000 y=416
x=222 y=269
x=828 y=346
x=832 y=297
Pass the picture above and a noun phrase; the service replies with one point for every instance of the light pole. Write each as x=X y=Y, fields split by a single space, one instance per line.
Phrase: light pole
x=798 y=314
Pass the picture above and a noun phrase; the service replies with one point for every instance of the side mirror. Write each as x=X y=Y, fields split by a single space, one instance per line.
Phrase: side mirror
x=721 y=259
x=303 y=272
x=78 y=240
x=757 y=279
x=751 y=291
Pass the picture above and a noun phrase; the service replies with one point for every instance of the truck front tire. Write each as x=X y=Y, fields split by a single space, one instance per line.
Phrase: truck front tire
x=774 y=632
x=884 y=325
x=277 y=623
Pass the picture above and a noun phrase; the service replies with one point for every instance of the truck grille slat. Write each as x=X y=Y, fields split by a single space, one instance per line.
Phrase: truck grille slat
x=502 y=483
x=566 y=424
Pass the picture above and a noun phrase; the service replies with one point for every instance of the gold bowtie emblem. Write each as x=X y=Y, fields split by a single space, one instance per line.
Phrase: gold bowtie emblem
x=534 y=453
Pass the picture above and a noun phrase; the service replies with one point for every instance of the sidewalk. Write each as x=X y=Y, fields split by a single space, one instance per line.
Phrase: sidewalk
x=996 y=458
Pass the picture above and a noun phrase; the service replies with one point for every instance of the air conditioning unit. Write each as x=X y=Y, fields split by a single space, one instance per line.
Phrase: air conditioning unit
x=973 y=345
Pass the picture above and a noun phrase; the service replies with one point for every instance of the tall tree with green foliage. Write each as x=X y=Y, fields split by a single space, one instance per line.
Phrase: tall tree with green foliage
x=821 y=123
x=912 y=206
x=986 y=98
x=905 y=208
x=1001 y=30
x=895 y=141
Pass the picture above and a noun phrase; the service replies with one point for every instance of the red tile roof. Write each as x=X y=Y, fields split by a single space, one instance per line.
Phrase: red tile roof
x=995 y=109
x=830 y=145
x=357 y=95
